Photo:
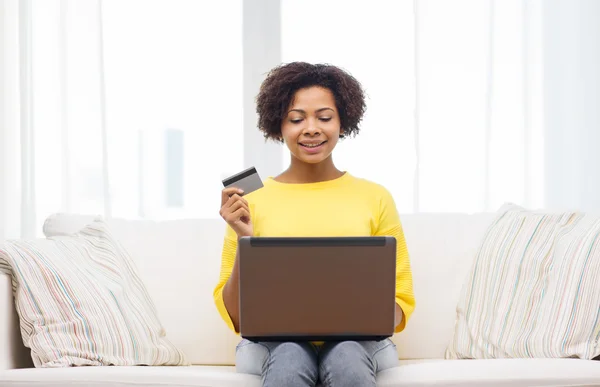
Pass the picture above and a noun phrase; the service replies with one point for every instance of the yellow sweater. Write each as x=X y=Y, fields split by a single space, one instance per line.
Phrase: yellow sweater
x=346 y=206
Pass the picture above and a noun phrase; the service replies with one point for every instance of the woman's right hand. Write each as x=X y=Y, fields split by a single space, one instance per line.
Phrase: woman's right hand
x=236 y=212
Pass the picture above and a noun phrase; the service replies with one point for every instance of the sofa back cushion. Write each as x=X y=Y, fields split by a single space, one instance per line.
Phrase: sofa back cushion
x=441 y=247
x=180 y=260
x=81 y=301
x=533 y=289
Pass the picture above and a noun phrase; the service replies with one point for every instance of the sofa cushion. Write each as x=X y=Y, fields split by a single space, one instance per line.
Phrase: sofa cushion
x=533 y=291
x=81 y=302
x=441 y=248
x=496 y=373
x=205 y=376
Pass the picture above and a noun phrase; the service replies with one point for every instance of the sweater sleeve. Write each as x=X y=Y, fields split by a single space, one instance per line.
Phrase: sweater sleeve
x=390 y=225
x=227 y=261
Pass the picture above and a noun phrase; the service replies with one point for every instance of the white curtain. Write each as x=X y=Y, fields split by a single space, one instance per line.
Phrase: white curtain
x=454 y=115
x=117 y=108
x=133 y=108
x=54 y=113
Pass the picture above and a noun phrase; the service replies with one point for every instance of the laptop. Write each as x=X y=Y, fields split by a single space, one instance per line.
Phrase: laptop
x=317 y=289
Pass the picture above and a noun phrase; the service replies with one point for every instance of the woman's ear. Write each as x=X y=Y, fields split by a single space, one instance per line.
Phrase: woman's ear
x=341 y=132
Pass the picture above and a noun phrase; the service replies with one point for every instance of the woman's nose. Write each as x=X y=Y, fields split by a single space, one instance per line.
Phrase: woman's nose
x=312 y=127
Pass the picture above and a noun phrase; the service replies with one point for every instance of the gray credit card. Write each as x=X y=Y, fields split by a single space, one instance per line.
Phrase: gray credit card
x=247 y=180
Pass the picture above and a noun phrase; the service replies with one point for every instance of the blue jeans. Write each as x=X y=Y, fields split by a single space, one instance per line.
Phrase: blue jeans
x=346 y=363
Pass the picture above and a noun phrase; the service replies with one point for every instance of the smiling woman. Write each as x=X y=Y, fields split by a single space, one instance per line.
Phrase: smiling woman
x=309 y=107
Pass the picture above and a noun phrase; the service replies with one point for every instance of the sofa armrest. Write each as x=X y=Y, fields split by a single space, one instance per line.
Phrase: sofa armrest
x=13 y=353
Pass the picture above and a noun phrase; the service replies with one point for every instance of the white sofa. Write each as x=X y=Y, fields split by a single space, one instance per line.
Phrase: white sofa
x=179 y=261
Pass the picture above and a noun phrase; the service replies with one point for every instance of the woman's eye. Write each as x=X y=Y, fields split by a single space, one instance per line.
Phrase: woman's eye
x=296 y=120
x=325 y=119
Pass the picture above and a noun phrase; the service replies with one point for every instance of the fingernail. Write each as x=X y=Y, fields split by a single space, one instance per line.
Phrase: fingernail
x=241 y=191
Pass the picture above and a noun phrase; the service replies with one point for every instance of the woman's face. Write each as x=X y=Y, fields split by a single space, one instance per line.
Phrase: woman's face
x=311 y=128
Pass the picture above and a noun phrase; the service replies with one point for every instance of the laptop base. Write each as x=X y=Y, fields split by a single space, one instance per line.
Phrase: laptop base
x=328 y=339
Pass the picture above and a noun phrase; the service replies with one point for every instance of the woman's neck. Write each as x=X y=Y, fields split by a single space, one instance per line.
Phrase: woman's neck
x=300 y=172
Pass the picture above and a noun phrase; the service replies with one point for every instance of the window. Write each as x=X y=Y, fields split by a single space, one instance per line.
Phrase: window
x=173 y=104
x=374 y=41
x=141 y=107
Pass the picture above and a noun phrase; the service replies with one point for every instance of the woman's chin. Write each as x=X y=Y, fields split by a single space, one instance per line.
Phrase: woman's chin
x=310 y=158
x=313 y=159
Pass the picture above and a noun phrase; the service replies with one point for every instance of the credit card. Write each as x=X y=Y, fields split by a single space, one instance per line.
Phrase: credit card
x=247 y=180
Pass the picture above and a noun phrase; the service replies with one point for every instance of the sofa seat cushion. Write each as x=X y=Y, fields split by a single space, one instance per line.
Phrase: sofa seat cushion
x=494 y=372
x=205 y=376
x=497 y=373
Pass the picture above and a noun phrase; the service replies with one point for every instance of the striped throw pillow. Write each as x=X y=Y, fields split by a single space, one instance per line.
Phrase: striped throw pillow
x=533 y=291
x=81 y=301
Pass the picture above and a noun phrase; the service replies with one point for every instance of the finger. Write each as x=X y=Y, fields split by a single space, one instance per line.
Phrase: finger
x=244 y=203
x=235 y=204
x=227 y=192
x=237 y=215
x=226 y=207
x=234 y=198
x=237 y=198
x=233 y=190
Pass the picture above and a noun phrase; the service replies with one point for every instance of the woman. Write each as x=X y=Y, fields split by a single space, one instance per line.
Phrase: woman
x=309 y=108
